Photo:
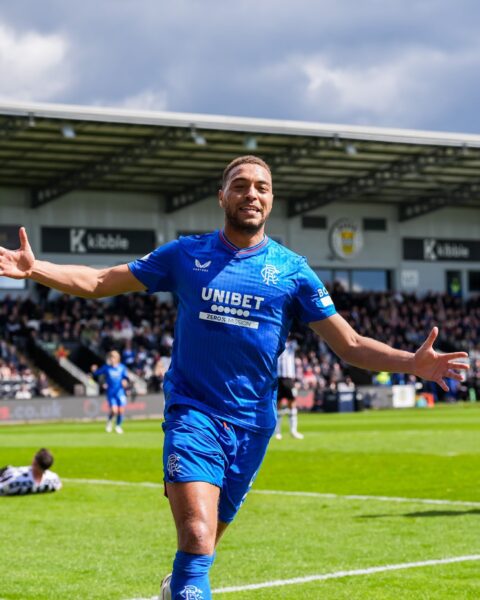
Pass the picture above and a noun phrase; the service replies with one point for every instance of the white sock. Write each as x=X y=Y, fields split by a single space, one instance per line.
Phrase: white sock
x=278 y=428
x=293 y=418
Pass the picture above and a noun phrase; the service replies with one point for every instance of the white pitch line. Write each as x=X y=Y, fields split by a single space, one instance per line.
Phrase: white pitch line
x=339 y=574
x=364 y=497
x=318 y=495
x=147 y=484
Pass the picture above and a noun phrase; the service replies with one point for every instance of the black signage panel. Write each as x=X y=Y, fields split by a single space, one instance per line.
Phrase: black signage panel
x=439 y=250
x=9 y=236
x=83 y=240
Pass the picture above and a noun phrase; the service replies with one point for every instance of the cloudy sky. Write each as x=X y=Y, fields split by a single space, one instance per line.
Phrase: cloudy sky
x=393 y=63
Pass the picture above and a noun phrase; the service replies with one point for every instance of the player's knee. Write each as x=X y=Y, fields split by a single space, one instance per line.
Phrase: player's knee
x=196 y=536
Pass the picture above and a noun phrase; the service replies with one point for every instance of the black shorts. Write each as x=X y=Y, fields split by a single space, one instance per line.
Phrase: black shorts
x=286 y=388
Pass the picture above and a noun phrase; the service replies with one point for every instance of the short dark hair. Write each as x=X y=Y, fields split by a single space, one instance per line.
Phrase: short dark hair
x=248 y=159
x=44 y=459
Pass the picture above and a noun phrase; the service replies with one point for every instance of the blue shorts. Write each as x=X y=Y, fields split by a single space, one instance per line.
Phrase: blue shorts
x=198 y=447
x=118 y=400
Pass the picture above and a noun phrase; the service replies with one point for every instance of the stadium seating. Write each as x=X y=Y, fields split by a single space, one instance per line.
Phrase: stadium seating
x=141 y=328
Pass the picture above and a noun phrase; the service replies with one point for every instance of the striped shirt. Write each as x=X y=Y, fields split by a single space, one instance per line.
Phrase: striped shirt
x=17 y=481
x=286 y=360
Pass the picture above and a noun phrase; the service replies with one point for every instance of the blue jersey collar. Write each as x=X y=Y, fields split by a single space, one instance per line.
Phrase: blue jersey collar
x=242 y=251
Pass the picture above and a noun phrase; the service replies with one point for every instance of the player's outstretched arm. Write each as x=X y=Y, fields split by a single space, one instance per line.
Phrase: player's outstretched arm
x=17 y=264
x=433 y=366
x=367 y=353
x=71 y=279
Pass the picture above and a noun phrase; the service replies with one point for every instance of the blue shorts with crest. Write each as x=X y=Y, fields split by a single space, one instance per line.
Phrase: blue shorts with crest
x=199 y=447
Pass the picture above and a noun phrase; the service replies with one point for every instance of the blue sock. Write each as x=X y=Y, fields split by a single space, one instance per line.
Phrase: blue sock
x=190 y=576
x=119 y=419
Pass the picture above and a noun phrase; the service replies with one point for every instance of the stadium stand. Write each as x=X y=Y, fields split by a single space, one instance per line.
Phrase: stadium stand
x=18 y=379
x=141 y=328
x=399 y=212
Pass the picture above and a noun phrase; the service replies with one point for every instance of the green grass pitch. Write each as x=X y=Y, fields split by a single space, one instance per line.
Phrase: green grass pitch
x=115 y=542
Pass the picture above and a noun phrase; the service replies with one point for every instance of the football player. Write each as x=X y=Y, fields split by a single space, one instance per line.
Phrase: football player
x=238 y=292
x=34 y=479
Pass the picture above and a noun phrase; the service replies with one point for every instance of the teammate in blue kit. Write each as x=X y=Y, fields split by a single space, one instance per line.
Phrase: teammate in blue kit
x=116 y=377
x=238 y=292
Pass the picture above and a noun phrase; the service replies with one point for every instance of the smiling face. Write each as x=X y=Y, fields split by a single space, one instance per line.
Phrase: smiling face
x=246 y=198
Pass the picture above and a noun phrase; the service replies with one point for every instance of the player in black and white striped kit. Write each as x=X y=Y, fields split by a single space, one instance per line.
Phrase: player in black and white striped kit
x=287 y=390
x=34 y=479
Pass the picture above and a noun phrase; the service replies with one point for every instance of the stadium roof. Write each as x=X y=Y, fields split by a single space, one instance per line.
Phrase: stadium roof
x=55 y=149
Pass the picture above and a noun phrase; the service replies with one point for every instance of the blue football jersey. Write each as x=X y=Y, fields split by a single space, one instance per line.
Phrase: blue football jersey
x=235 y=309
x=114 y=377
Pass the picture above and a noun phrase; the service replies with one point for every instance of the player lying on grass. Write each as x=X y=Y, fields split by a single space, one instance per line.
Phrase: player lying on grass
x=238 y=292
x=34 y=479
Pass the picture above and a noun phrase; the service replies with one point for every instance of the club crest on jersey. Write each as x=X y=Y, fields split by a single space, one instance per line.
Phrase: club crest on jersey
x=191 y=592
x=270 y=274
x=173 y=465
x=202 y=266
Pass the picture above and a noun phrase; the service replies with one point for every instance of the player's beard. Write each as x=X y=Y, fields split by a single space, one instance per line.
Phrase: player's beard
x=237 y=224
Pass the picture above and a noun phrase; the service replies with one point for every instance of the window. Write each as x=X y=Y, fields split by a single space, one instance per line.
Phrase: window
x=454 y=283
x=357 y=280
x=6 y=283
x=371 y=280
x=374 y=224
x=474 y=281
x=343 y=278
x=314 y=222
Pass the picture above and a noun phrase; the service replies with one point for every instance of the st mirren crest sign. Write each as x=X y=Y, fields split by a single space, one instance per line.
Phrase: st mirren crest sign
x=346 y=238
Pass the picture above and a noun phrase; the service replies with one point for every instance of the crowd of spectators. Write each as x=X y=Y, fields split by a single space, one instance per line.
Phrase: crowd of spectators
x=17 y=379
x=141 y=328
x=403 y=321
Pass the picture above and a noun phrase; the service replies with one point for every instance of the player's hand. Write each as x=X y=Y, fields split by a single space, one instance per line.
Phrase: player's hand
x=93 y=368
x=433 y=366
x=17 y=264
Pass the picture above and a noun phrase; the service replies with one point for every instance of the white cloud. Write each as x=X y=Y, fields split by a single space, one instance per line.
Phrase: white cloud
x=401 y=89
x=33 y=66
x=351 y=88
x=145 y=100
x=368 y=62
